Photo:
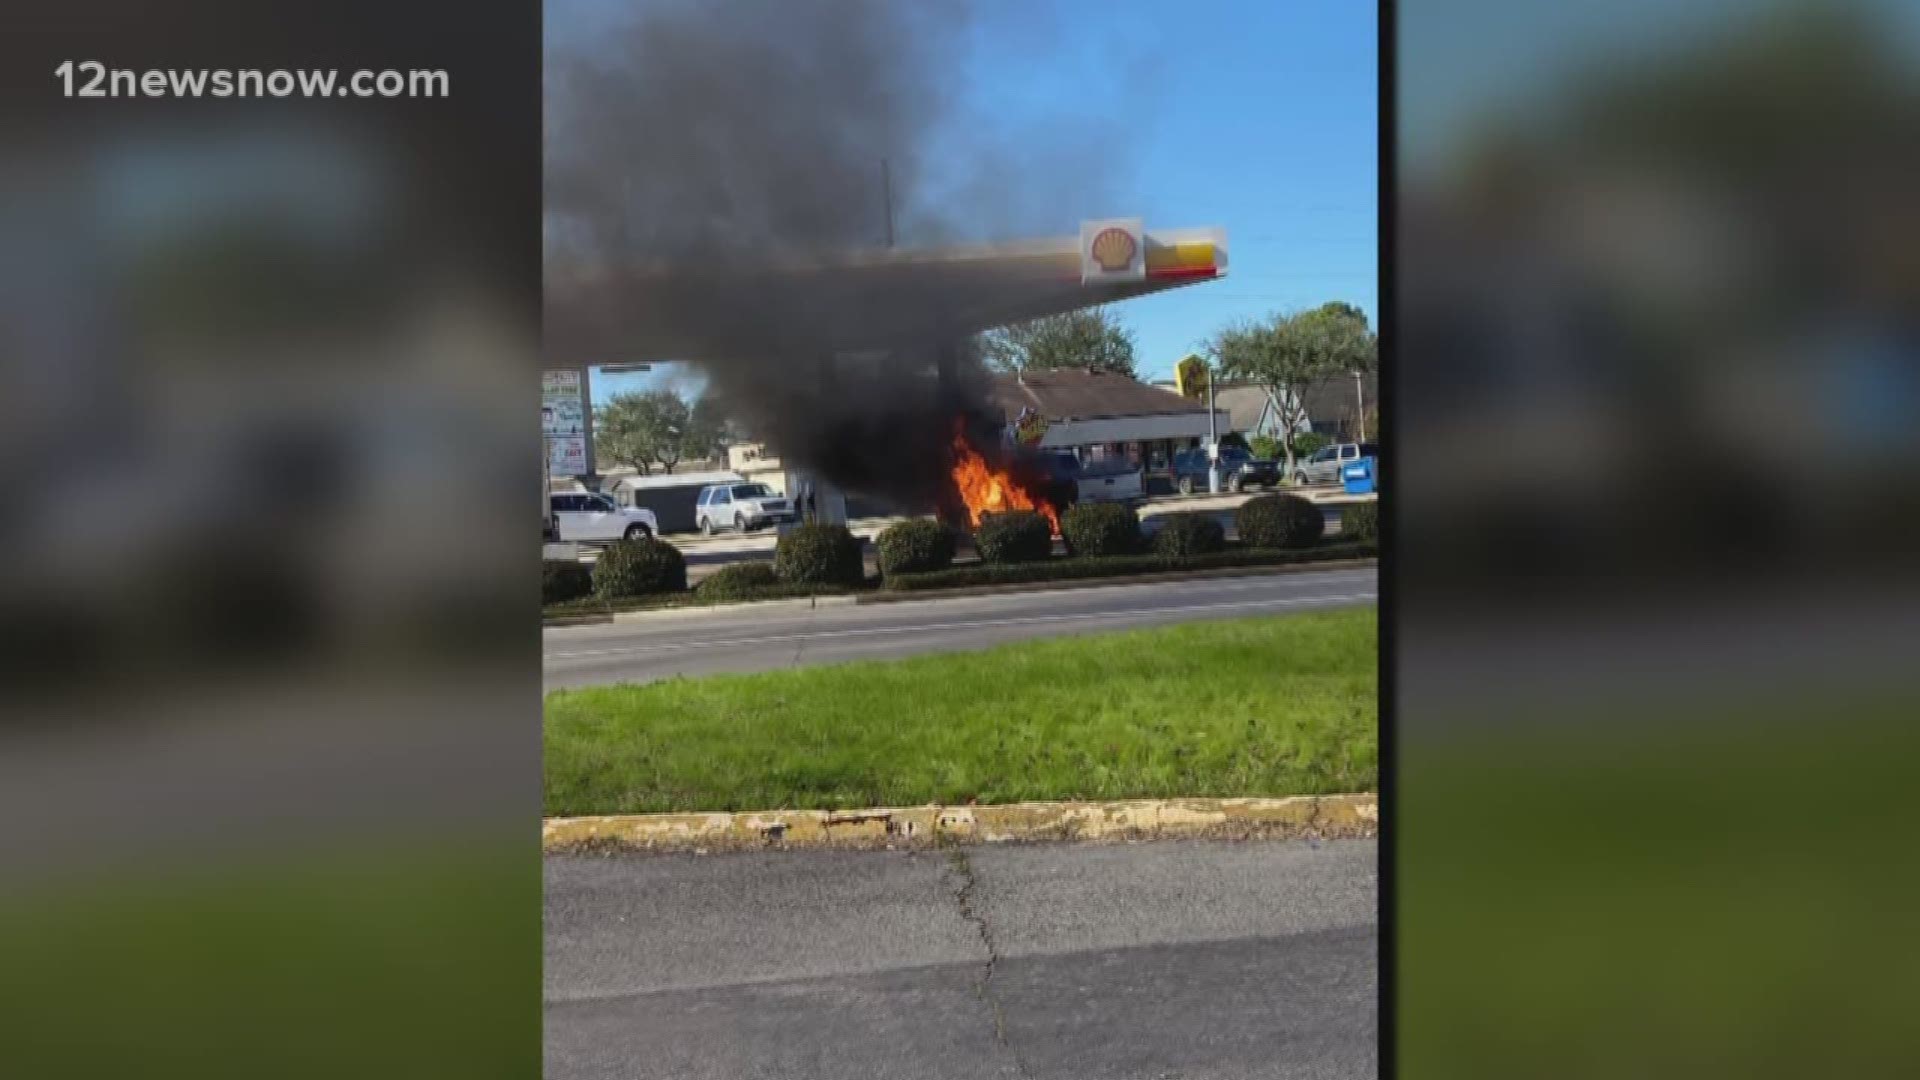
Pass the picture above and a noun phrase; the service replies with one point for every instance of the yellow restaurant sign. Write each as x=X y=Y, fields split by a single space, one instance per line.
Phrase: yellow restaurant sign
x=1190 y=376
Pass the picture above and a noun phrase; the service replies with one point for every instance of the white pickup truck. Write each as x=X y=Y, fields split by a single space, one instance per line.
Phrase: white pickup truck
x=584 y=515
x=1113 y=480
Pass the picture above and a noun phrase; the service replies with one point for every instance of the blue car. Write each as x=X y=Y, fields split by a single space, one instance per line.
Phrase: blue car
x=1239 y=470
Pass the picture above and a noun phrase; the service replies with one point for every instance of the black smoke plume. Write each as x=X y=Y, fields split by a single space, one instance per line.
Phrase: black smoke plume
x=718 y=179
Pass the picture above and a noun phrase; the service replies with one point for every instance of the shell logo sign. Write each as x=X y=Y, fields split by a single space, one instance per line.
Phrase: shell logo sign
x=1112 y=250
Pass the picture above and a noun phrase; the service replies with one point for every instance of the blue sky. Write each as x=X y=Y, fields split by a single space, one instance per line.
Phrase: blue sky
x=1259 y=116
x=1262 y=118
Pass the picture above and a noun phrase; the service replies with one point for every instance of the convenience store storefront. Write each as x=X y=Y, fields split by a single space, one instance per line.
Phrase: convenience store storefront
x=1104 y=417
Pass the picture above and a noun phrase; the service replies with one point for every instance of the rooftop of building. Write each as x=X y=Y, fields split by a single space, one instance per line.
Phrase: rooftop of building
x=1079 y=394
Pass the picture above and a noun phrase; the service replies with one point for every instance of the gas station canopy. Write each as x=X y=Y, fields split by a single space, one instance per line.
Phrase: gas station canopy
x=861 y=300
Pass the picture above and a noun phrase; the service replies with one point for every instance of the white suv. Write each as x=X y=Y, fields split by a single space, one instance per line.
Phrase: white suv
x=1324 y=465
x=583 y=515
x=740 y=506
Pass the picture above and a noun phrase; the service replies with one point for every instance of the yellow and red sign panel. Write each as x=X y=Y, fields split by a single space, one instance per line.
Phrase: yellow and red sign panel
x=1187 y=259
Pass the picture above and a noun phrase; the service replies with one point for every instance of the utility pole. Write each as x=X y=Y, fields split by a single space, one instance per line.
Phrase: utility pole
x=886 y=194
x=1359 y=417
x=1213 y=439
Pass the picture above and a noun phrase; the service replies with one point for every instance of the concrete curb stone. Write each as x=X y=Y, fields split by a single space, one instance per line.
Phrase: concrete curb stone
x=1302 y=816
x=884 y=596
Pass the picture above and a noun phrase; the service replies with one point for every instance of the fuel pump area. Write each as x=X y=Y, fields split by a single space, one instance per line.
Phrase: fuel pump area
x=596 y=318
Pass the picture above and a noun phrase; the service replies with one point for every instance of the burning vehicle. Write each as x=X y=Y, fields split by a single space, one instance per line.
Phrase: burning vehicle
x=1021 y=480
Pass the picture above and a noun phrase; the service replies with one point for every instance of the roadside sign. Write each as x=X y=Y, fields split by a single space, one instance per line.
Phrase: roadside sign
x=1029 y=427
x=563 y=423
x=1190 y=376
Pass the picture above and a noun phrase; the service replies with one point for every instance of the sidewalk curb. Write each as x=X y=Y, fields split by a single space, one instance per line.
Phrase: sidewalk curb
x=789 y=603
x=884 y=596
x=677 y=610
x=1301 y=816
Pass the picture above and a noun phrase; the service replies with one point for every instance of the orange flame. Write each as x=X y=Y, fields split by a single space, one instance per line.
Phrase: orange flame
x=986 y=490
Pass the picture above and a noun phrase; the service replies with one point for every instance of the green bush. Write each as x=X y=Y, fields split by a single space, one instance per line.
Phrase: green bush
x=639 y=568
x=738 y=581
x=1361 y=521
x=1013 y=537
x=1266 y=446
x=1279 y=520
x=1189 y=534
x=1305 y=443
x=819 y=554
x=915 y=547
x=1123 y=566
x=1095 y=530
x=564 y=579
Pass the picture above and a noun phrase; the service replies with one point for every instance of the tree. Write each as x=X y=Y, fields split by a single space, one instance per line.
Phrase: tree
x=1353 y=348
x=1292 y=355
x=1090 y=337
x=643 y=429
x=706 y=432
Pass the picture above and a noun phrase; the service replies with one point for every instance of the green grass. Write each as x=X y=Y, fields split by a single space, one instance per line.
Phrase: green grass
x=1269 y=706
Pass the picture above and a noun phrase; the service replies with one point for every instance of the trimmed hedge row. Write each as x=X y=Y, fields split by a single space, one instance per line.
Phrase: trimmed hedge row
x=1279 y=520
x=1360 y=521
x=819 y=554
x=1018 y=536
x=1189 y=533
x=1123 y=566
x=639 y=568
x=1098 y=530
x=738 y=580
x=915 y=547
x=564 y=579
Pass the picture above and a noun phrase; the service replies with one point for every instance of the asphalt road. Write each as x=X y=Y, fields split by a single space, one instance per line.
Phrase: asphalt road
x=761 y=638
x=1173 y=960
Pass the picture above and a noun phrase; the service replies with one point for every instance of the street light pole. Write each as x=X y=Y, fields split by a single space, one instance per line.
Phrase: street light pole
x=1213 y=439
x=1360 y=417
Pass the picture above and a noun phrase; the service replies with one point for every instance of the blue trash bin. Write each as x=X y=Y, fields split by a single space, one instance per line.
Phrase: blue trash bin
x=1359 y=476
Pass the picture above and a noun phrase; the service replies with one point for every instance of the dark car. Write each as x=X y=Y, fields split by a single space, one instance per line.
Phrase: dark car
x=1063 y=479
x=1239 y=469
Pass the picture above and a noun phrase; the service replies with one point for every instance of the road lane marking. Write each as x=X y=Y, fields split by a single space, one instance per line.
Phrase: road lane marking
x=970 y=624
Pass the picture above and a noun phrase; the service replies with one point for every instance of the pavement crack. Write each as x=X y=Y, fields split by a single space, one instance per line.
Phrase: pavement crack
x=960 y=871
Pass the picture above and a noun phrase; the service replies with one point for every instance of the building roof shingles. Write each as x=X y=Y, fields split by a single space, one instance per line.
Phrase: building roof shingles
x=1084 y=395
x=1243 y=405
